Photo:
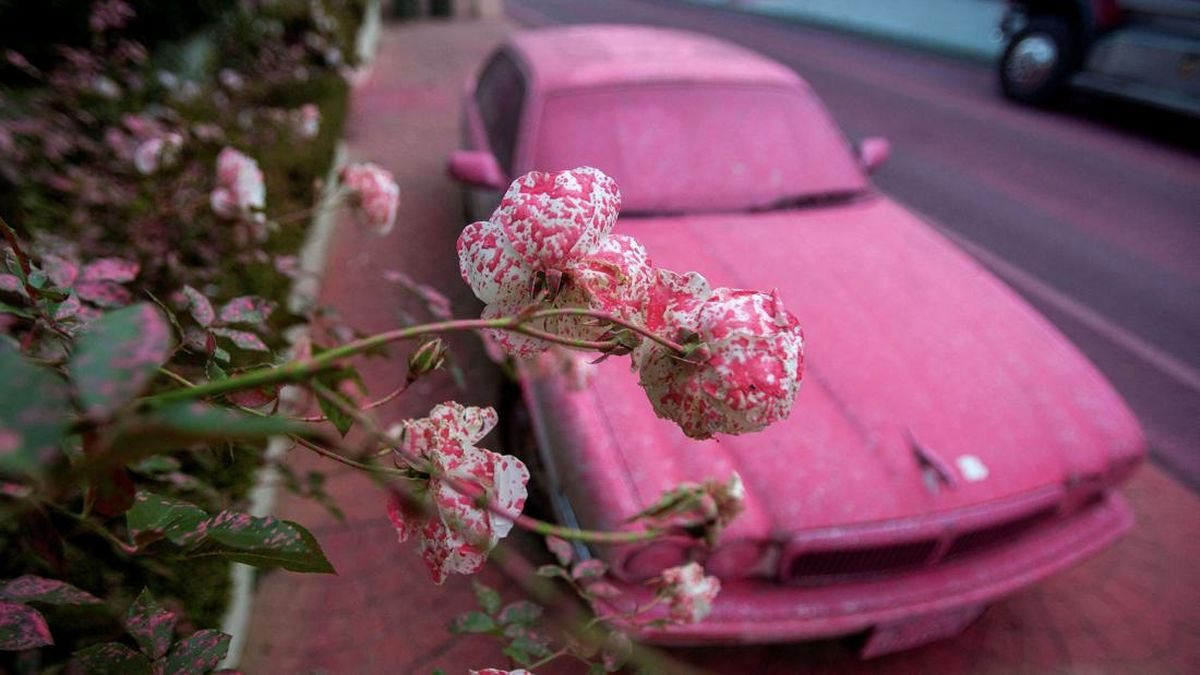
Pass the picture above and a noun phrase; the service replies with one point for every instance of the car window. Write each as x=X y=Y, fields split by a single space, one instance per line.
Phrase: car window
x=700 y=148
x=500 y=95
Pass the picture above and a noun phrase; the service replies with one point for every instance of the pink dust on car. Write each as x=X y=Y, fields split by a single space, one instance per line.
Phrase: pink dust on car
x=948 y=446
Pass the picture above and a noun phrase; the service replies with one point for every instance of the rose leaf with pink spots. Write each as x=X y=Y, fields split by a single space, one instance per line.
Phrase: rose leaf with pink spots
x=151 y=625
x=243 y=339
x=110 y=269
x=29 y=588
x=266 y=542
x=246 y=309
x=199 y=653
x=153 y=516
x=199 y=307
x=117 y=356
x=113 y=657
x=22 y=627
x=34 y=406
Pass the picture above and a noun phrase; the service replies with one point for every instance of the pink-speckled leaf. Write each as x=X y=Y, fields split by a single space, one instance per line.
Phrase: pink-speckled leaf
x=152 y=626
x=110 y=269
x=29 y=588
x=243 y=339
x=22 y=627
x=117 y=357
x=561 y=549
x=34 y=407
x=246 y=309
x=199 y=653
x=589 y=569
x=104 y=293
x=199 y=307
x=154 y=516
x=266 y=542
x=10 y=283
x=113 y=658
x=62 y=272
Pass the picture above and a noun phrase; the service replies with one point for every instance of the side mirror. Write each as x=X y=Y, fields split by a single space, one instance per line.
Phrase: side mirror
x=873 y=151
x=477 y=168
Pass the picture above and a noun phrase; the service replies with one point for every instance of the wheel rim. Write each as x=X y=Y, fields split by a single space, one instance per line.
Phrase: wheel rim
x=1032 y=61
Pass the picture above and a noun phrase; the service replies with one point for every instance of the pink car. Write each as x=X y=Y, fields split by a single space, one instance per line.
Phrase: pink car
x=948 y=445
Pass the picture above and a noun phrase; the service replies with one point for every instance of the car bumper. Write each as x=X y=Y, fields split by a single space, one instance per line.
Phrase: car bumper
x=753 y=611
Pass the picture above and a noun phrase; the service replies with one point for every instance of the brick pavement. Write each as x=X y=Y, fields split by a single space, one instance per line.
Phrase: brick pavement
x=1133 y=609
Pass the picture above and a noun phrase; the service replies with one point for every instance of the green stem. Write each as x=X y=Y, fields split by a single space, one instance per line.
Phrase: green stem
x=93 y=527
x=616 y=321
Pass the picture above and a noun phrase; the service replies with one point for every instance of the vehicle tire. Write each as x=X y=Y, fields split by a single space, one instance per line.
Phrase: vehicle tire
x=1038 y=61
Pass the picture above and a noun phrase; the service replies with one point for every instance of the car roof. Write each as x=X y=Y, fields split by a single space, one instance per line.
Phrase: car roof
x=591 y=56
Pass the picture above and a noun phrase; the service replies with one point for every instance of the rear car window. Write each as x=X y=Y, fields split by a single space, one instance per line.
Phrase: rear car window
x=499 y=95
x=690 y=148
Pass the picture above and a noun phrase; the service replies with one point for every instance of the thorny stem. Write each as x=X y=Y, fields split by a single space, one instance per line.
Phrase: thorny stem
x=295 y=371
x=93 y=527
x=300 y=440
x=462 y=487
x=616 y=321
x=370 y=406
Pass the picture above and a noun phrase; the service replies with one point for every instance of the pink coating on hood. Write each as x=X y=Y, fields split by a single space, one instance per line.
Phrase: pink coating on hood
x=594 y=55
x=909 y=342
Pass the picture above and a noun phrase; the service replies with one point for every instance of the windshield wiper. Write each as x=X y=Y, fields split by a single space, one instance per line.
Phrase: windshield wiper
x=811 y=200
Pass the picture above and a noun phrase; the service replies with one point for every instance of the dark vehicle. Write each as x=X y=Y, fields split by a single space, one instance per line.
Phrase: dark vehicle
x=1145 y=50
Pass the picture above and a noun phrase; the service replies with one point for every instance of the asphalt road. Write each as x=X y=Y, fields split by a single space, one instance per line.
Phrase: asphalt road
x=1091 y=211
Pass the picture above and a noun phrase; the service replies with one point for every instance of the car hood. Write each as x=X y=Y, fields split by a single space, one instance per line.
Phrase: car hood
x=928 y=384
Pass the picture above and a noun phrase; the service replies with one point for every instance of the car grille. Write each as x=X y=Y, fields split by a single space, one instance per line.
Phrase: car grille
x=985 y=538
x=827 y=566
x=818 y=567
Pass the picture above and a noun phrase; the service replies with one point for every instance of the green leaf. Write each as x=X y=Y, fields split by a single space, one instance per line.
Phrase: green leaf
x=22 y=627
x=117 y=356
x=199 y=653
x=334 y=381
x=552 y=571
x=472 y=622
x=113 y=658
x=150 y=624
x=35 y=409
x=488 y=598
x=525 y=651
x=6 y=308
x=180 y=425
x=521 y=613
x=29 y=588
x=265 y=542
x=154 y=515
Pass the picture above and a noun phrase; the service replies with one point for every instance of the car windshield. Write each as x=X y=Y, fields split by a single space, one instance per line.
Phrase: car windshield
x=701 y=148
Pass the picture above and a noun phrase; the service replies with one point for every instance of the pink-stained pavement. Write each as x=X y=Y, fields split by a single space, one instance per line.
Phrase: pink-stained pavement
x=1134 y=608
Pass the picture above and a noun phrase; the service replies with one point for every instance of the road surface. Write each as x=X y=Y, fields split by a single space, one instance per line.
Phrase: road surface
x=1092 y=212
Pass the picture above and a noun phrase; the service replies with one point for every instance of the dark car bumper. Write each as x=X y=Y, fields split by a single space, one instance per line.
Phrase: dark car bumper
x=756 y=611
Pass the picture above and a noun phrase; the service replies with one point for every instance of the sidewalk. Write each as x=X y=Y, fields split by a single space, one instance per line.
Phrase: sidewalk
x=967 y=27
x=1131 y=609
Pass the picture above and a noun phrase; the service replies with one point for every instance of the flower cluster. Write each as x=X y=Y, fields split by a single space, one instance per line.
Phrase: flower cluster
x=747 y=372
x=466 y=486
x=688 y=592
x=240 y=191
x=374 y=191
x=738 y=355
x=550 y=240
